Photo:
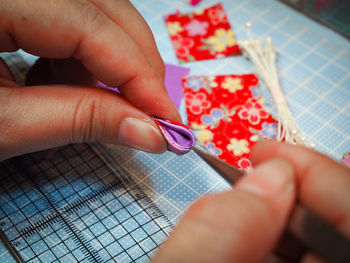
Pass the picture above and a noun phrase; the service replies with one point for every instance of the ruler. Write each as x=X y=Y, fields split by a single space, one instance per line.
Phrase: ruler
x=79 y=205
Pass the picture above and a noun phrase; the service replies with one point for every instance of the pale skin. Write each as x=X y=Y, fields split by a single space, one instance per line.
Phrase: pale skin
x=112 y=43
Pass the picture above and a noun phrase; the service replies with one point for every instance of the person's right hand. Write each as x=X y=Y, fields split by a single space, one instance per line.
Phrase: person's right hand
x=245 y=223
x=323 y=185
x=114 y=44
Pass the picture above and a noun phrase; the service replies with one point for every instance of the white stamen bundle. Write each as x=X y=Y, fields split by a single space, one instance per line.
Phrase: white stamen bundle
x=264 y=60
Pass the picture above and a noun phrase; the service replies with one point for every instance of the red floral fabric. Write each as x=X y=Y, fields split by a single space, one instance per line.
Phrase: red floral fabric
x=226 y=114
x=203 y=34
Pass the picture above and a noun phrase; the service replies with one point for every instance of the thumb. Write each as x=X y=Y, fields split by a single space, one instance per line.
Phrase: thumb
x=241 y=225
x=41 y=117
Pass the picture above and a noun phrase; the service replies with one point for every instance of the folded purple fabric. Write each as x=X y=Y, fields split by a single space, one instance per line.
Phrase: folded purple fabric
x=179 y=137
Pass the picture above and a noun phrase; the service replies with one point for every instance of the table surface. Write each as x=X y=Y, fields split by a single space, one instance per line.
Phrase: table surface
x=314 y=70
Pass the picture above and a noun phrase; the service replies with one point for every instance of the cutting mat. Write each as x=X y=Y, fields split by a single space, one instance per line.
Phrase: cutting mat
x=314 y=65
x=77 y=205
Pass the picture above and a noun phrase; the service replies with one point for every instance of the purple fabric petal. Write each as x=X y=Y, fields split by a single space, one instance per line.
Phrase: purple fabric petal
x=180 y=138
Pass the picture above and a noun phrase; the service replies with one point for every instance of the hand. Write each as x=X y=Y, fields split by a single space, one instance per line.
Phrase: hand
x=114 y=44
x=244 y=224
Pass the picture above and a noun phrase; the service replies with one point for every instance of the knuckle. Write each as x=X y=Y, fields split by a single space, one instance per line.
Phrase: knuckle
x=254 y=207
x=91 y=17
x=87 y=118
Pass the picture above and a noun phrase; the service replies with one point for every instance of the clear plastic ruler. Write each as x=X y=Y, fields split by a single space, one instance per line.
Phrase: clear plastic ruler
x=77 y=205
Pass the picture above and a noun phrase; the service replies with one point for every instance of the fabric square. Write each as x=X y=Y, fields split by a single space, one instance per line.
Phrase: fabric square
x=216 y=96
x=203 y=34
x=226 y=114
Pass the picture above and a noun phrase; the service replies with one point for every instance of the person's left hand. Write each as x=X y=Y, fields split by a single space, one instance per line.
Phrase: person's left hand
x=114 y=43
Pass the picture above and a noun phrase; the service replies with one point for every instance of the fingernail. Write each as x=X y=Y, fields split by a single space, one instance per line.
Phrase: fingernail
x=269 y=179
x=142 y=135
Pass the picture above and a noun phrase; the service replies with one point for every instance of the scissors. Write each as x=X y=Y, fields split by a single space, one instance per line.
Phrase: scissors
x=305 y=229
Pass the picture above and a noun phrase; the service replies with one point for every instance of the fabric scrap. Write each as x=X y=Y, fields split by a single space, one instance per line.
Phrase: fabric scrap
x=202 y=34
x=173 y=82
x=227 y=116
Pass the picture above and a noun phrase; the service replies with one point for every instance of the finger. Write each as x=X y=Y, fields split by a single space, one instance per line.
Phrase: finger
x=85 y=32
x=5 y=72
x=123 y=13
x=323 y=184
x=36 y=118
x=227 y=227
x=6 y=77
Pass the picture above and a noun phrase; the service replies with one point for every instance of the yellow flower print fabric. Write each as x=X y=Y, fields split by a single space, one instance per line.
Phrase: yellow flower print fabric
x=203 y=34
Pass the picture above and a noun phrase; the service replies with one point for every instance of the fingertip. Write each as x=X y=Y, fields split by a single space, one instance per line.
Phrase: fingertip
x=261 y=149
x=150 y=95
x=274 y=178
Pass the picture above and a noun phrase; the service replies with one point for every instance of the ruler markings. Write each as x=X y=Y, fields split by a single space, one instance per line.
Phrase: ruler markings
x=77 y=236
x=112 y=184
